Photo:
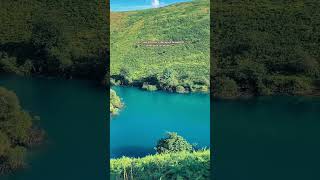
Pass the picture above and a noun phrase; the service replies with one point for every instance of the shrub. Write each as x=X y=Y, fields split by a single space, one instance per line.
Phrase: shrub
x=225 y=87
x=172 y=143
x=149 y=87
x=180 y=89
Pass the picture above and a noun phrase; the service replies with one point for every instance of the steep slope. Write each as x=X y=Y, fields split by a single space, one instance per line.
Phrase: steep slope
x=189 y=61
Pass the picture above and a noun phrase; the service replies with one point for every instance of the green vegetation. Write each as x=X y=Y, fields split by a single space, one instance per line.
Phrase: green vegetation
x=65 y=38
x=175 y=159
x=178 y=68
x=265 y=47
x=17 y=132
x=173 y=143
x=115 y=103
x=180 y=165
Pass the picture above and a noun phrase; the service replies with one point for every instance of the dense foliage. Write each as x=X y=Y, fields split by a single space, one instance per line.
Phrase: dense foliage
x=115 y=103
x=180 y=165
x=181 y=67
x=173 y=143
x=58 y=38
x=265 y=47
x=17 y=132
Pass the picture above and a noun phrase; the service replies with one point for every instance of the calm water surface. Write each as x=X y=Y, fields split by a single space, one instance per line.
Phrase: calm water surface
x=267 y=138
x=130 y=5
x=263 y=138
x=147 y=116
x=73 y=115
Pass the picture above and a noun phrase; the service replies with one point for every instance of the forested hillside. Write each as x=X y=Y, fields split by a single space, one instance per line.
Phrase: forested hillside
x=180 y=67
x=57 y=38
x=265 y=47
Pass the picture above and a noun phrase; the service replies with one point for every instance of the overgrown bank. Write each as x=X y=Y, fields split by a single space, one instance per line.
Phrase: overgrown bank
x=265 y=48
x=180 y=165
x=18 y=132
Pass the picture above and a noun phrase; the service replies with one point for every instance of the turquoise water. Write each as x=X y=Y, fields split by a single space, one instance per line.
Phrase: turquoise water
x=262 y=138
x=147 y=116
x=73 y=114
x=130 y=5
x=267 y=138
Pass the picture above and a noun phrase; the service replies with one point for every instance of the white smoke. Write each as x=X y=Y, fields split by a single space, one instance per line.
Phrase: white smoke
x=155 y=3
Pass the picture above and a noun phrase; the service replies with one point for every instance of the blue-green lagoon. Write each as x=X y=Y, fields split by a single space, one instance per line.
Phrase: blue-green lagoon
x=147 y=116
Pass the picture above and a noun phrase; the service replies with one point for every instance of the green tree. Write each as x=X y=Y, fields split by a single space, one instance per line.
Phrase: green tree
x=173 y=143
x=224 y=87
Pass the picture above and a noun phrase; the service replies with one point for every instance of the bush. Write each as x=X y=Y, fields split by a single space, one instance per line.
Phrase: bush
x=173 y=143
x=8 y=64
x=149 y=87
x=225 y=87
x=180 y=89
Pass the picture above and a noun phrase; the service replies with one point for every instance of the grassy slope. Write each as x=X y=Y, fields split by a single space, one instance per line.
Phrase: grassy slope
x=185 y=21
x=181 y=165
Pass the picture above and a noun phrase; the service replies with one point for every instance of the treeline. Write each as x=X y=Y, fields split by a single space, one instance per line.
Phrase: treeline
x=66 y=38
x=18 y=132
x=168 y=80
x=265 y=47
x=175 y=159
